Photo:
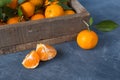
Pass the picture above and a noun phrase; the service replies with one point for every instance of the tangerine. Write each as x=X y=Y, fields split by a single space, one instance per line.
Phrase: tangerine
x=87 y=39
x=46 y=52
x=69 y=12
x=31 y=60
x=37 y=16
x=47 y=2
x=13 y=20
x=54 y=10
x=13 y=4
x=28 y=9
x=37 y=2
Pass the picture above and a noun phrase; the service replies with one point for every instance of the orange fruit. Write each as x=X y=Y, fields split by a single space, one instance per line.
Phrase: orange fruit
x=37 y=2
x=47 y=2
x=13 y=4
x=46 y=52
x=37 y=17
x=69 y=12
x=54 y=10
x=13 y=20
x=28 y=9
x=87 y=39
x=31 y=60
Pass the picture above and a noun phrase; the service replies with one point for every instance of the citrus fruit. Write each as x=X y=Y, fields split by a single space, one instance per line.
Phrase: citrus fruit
x=87 y=39
x=13 y=4
x=47 y=2
x=37 y=2
x=31 y=60
x=37 y=16
x=69 y=12
x=13 y=20
x=54 y=10
x=28 y=9
x=46 y=52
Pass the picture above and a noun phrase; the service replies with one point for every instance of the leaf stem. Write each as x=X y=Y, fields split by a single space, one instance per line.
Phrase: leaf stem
x=88 y=26
x=21 y=18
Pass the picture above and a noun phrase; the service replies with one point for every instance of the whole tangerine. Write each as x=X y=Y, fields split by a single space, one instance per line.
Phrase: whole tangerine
x=54 y=10
x=87 y=39
x=28 y=9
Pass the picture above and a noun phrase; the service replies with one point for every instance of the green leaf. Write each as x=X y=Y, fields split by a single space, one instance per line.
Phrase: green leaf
x=106 y=26
x=0 y=13
x=9 y=12
x=65 y=7
x=20 y=13
x=91 y=21
x=4 y=2
x=8 y=1
x=20 y=1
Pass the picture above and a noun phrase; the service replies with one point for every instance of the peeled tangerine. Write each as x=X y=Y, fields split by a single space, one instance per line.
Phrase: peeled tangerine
x=31 y=60
x=46 y=52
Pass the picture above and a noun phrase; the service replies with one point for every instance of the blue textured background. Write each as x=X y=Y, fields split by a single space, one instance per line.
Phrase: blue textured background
x=72 y=62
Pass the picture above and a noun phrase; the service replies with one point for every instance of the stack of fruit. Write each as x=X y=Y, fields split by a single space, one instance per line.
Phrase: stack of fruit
x=14 y=11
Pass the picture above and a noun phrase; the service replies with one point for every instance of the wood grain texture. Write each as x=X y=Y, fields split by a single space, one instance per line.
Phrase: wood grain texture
x=31 y=45
x=25 y=35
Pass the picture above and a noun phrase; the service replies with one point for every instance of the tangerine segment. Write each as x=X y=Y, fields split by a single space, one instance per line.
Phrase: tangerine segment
x=54 y=10
x=87 y=39
x=46 y=52
x=28 y=9
x=31 y=60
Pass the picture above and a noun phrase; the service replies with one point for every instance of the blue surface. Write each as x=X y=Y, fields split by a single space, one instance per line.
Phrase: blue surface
x=72 y=62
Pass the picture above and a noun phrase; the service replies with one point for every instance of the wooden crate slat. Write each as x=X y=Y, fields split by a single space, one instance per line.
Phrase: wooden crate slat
x=32 y=45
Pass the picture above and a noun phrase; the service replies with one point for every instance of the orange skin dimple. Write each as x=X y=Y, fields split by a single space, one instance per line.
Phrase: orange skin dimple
x=87 y=39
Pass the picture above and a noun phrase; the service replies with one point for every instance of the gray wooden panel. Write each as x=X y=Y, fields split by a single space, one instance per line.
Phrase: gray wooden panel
x=32 y=45
x=9 y=35
x=50 y=28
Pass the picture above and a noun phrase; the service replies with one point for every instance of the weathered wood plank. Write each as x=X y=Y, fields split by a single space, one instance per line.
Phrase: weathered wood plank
x=32 y=45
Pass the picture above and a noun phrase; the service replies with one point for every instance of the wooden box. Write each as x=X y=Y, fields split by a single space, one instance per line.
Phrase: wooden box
x=26 y=35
